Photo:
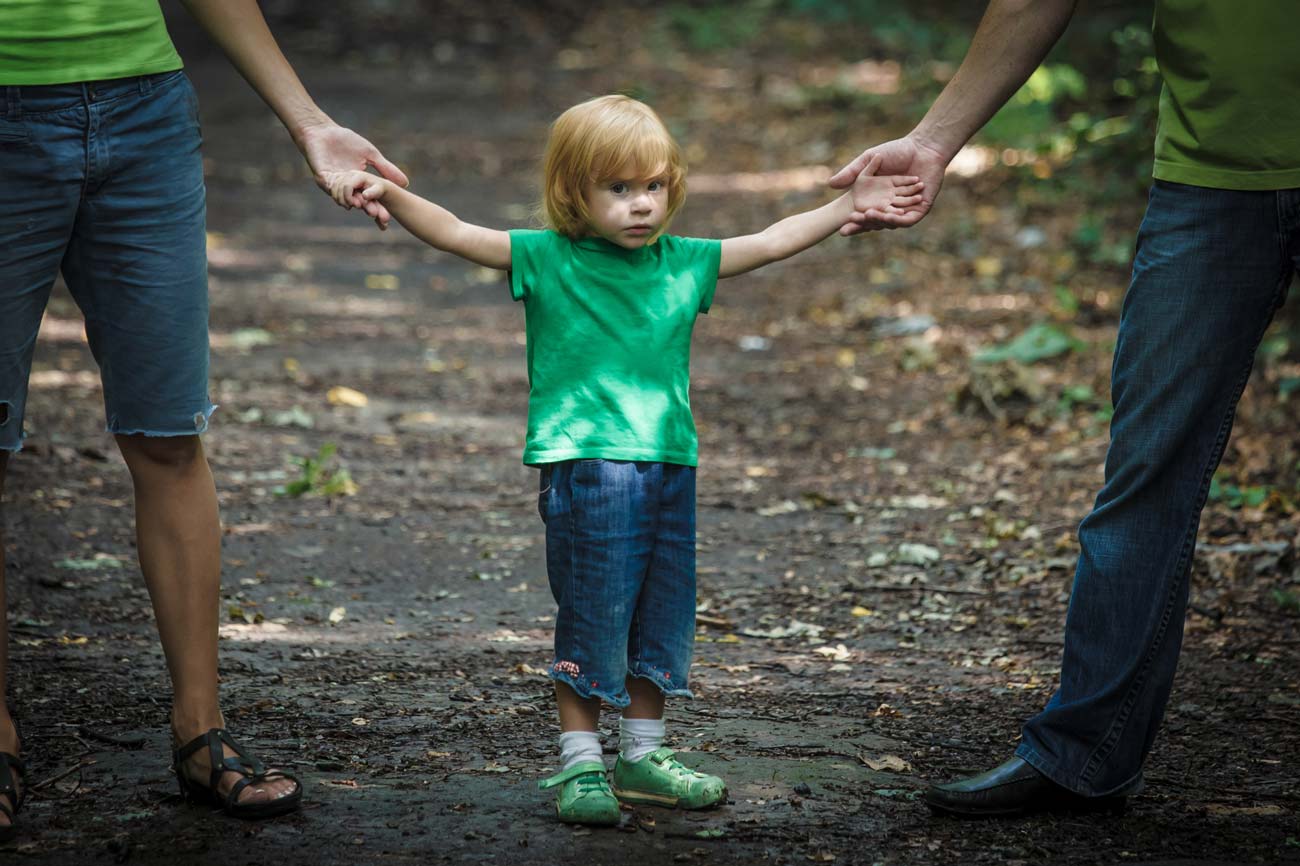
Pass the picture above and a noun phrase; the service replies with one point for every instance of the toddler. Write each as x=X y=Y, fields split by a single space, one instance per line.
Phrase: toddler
x=610 y=300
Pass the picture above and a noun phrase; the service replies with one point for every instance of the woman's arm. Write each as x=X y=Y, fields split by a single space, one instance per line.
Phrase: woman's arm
x=799 y=232
x=431 y=223
x=239 y=28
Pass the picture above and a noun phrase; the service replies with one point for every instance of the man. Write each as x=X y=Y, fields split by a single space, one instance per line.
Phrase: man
x=101 y=176
x=1216 y=251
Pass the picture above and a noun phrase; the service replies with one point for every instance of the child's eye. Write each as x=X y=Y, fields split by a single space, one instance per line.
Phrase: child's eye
x=618 y=188
x=656 y=185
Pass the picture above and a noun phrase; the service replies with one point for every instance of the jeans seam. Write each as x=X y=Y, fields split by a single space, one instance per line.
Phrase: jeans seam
x=1118 y=725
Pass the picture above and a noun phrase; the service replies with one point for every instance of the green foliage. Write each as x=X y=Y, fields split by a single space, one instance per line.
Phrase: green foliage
x=1100 y=114
x=1235 y=497
x=711 y=27
x=1040 y=341
x=1075 y=395
x=320 y=475
x=1029 y=119
x=1093 y=243
x=1287 y=600
x=895 y=27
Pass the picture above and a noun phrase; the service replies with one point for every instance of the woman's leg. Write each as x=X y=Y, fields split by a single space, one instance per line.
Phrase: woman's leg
x=8 y=734
x=178 y=534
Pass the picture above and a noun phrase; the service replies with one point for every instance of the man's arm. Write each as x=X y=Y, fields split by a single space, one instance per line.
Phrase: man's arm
x=1012 y=39
x=238 y=27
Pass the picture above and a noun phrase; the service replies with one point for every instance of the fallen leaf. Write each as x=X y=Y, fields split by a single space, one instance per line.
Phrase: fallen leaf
x=340 y=395
x=382 y=282
x=337 y=614
x=889 y=763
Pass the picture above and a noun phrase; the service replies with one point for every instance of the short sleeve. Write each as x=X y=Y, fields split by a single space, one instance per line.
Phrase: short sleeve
x=700 y=257
x=529 y=250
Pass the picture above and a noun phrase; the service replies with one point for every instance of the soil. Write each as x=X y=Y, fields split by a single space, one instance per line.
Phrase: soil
x=884 y=568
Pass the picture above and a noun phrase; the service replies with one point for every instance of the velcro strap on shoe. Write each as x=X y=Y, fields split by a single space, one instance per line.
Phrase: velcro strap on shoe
x=661 y=754
x=573 y=772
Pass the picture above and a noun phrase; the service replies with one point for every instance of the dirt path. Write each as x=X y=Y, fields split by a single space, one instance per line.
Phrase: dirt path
x=387 y=646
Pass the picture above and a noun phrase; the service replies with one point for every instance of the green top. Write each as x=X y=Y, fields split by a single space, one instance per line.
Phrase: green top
x=1230 y=107
x=65 y=41
x=609 y=344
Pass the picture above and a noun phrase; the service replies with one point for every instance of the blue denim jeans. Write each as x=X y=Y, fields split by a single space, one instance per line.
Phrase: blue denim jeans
x=1212 y=267
x=620 y=555
x=104 y=181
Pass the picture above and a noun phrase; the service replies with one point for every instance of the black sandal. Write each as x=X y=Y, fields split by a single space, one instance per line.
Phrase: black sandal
x=9 y=790
x=251 y=770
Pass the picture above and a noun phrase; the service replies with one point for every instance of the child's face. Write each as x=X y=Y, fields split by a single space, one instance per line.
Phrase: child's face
x=625 y=209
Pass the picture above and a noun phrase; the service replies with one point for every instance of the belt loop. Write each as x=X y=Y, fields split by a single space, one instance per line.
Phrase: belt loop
x=13 y=102
x=145 y=84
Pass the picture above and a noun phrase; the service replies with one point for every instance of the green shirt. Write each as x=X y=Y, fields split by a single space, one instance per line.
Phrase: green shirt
x=609 y=344
x=1230 y=107
x=64 y=41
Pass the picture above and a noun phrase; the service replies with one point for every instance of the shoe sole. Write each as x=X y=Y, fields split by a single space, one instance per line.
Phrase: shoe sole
x=563 y=820
x=1114 y=808
x=646 y=798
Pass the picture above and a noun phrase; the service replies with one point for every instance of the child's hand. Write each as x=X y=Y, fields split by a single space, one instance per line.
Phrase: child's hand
x=354 y=188
x=890 y=194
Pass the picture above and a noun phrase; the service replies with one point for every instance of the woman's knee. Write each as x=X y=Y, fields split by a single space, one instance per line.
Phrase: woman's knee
x=175 y=453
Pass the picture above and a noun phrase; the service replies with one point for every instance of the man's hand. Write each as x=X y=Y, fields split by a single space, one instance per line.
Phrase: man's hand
x=885 y=195
x=902 y=156
x=332 y=149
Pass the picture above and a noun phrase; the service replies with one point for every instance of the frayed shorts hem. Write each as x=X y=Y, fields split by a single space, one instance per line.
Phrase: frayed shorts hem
x=201 y=420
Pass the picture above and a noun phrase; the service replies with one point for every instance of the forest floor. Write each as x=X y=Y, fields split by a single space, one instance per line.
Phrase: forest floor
x=883 y=566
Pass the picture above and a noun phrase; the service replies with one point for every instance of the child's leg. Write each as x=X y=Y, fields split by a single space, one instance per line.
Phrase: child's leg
x=599 y=538
x=660 y=645
x=641 y=730
x=579 y=723
x=600 y=534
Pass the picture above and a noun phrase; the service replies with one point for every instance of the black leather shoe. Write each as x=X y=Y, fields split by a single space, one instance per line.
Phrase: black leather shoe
x=1014 y=788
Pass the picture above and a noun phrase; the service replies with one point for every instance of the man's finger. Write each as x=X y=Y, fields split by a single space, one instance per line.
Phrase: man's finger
x=845 y=176
x=387 y=170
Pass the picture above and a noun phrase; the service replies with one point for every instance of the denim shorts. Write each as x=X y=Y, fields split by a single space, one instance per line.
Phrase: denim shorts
x=620 y=556
x=104 y=181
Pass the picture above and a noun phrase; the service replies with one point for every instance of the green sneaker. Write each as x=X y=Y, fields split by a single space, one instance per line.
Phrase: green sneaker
x=585 y=797
x=660 y=780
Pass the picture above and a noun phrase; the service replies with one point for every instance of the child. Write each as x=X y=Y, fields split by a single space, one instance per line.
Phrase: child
x=609 y=302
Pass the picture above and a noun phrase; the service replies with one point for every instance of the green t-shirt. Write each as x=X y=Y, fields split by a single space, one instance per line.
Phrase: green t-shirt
x=64 y=41
x=609 y=344
x=1230 y=107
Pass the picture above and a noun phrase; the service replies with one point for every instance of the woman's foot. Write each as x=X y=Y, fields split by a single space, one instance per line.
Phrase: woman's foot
x=585 y=797
x=12 y=777
x=243 y=787
x=659 y=779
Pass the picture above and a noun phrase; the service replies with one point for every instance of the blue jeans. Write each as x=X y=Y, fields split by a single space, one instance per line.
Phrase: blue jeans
x=104 y=181
x=1212 y=266
x=620 y=555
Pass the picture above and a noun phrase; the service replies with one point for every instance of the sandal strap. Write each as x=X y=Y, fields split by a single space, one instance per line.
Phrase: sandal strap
x=245 y=765
x=8 y=787
x=232 y=798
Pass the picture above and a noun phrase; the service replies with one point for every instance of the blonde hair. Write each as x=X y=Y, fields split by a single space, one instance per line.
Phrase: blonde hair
x=595 y=139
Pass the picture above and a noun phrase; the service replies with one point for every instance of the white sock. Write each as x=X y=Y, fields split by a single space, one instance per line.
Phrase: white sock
x=639 y=737
x=579 y=746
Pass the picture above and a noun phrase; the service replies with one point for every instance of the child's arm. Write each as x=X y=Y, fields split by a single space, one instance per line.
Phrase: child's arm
x=799 y=232
x=431 y=223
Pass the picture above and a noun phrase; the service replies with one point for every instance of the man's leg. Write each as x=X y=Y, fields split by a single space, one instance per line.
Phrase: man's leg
x=1208 y=276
